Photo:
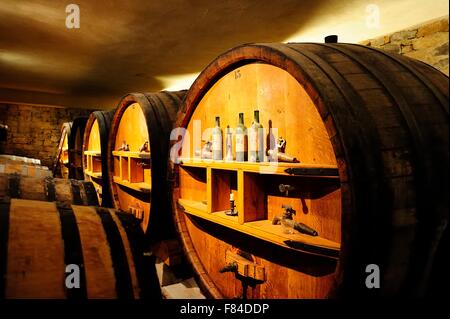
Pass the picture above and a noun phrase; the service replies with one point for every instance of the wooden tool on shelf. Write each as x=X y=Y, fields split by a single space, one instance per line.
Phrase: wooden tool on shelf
x=280 y=154
x=124 y=146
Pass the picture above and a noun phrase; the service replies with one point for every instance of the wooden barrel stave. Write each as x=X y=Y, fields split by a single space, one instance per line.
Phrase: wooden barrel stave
x=373 y=108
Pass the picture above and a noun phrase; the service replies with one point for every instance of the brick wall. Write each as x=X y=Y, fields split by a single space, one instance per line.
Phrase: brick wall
x=427 y=42
x=34 y=131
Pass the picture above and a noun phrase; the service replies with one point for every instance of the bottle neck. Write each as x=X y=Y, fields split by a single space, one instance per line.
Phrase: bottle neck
x=218 y=121
x=256 y=117
x=241 y=118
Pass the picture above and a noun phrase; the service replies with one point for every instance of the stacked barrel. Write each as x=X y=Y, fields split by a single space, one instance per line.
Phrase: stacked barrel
x=51 y=227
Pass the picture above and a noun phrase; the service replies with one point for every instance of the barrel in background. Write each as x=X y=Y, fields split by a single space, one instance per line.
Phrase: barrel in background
x=69 y=162
x=61 y=162
x=95 y=154
x=75 y=143
x=138 y=153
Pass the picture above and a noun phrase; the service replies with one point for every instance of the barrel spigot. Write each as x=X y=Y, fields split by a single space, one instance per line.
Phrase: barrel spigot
x=230 y=267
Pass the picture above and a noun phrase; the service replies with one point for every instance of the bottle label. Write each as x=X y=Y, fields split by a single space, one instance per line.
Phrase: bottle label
x=217 y=142
x=240 y=147
x=252 y=140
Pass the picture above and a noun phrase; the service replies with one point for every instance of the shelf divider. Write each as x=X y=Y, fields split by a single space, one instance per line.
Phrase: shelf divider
x=241 y=198
x=209 y=192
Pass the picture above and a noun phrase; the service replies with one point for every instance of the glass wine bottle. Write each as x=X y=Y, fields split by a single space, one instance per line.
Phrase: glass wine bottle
x=241 y=140
x=217 y=142
x=256 y=140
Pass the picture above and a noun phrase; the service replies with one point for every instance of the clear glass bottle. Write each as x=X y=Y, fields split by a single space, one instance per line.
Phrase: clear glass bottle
x=217 y=141
x=241 y=140
x=256 y=140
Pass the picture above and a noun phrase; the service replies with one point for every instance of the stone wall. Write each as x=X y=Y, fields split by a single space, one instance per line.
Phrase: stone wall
x=34 y=131
x=427 y=42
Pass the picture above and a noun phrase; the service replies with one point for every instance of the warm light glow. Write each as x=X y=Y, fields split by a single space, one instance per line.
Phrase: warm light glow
x=48 y=65
x=177 y=82
x=35 y=11
x=349 y=21
x=18 y=59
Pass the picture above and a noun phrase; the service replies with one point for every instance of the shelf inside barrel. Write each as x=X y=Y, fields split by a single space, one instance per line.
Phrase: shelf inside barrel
x=93 y=174
x=263 y=229
x=140 y=187
x=93 y=153
x=276 y=168
x=143 y=155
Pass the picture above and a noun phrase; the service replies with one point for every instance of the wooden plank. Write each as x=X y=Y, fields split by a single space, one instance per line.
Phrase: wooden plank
x=255 y=199
x=241 y=196
x=93 y=174
x=209 y=192
x=262 y=229
x=100 y=278
x=35 y=266
x=92 y=153
x=265 y=168
x=221 y=188
x=141 y=187
x=132 y=154
x=194 y=182
x=128 y=252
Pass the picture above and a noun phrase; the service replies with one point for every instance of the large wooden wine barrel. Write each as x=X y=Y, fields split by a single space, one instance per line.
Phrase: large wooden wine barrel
x=95 y=154
x=62 y=191
x=69 y=162
x=370 y=131
x=138 y=174
x=61 y=162
x=75 y=252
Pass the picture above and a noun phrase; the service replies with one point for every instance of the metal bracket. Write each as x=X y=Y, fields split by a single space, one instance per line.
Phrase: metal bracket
x=244 y=267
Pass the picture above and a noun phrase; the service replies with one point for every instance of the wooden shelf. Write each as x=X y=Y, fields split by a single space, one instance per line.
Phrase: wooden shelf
x=93 y=153
x=263 y=229
x=93 y=174
x=140 y=187
x=130 y=154
x=280 y=168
